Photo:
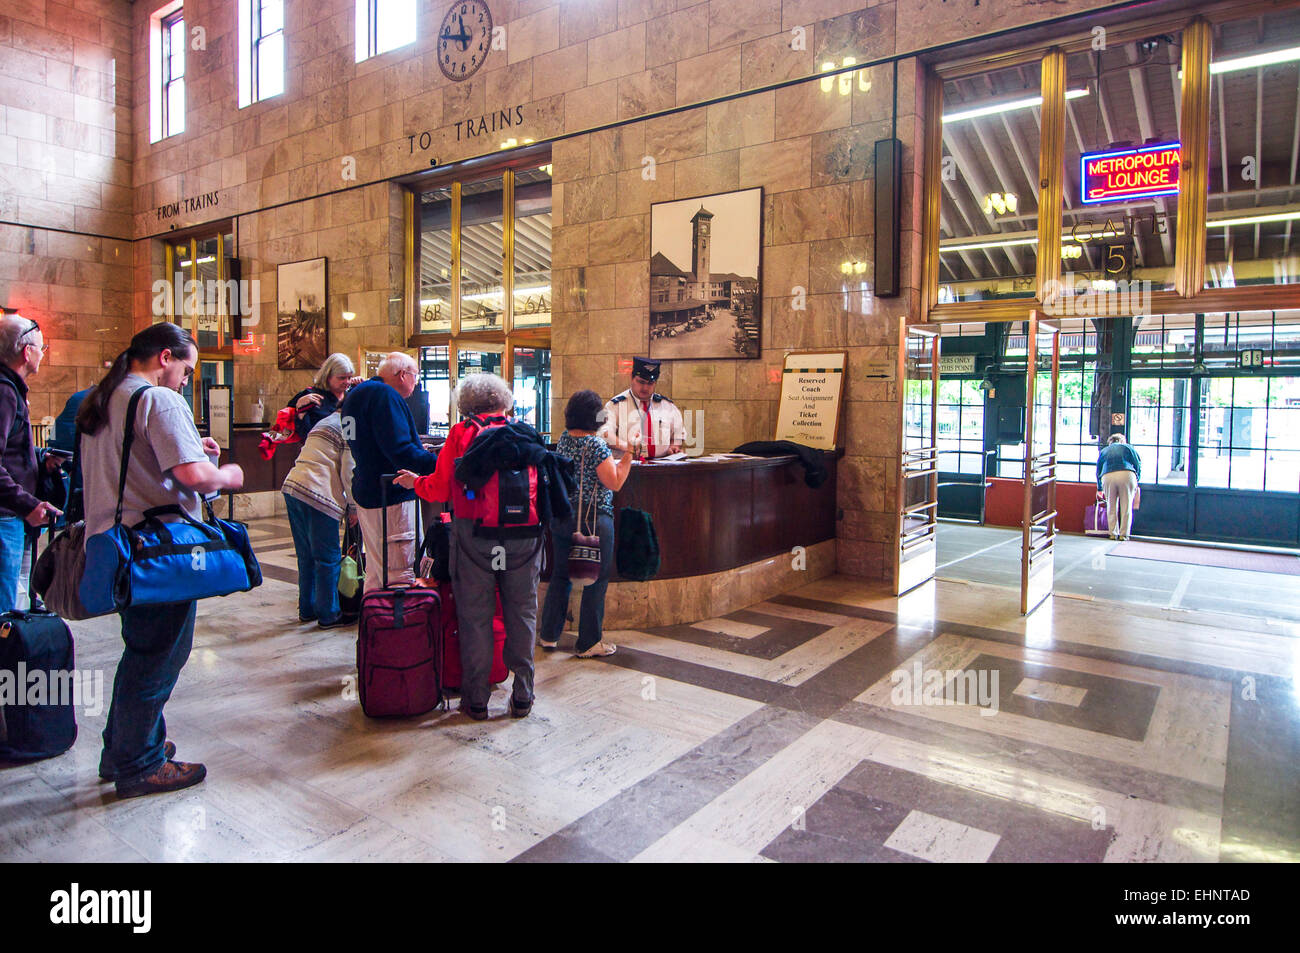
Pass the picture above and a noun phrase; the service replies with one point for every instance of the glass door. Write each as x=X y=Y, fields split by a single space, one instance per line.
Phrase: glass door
x=1038 y=522
x=918 y=478
x=204 y=299
x=532 y=386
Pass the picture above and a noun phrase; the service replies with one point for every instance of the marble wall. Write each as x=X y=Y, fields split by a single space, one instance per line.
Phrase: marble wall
x=811 y=151
x=310 y=172
x=65 y=184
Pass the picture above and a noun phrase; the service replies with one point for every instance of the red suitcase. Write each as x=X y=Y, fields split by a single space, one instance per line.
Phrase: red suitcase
x=399 y=644
x=451 y=671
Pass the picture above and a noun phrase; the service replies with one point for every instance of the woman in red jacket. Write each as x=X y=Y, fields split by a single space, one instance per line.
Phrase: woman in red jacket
x=483 y=565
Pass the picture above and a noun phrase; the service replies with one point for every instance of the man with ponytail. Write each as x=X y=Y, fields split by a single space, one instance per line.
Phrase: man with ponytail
x=169 y=464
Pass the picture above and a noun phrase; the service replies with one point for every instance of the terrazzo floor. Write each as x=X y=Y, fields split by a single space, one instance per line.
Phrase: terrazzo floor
x=788 y=731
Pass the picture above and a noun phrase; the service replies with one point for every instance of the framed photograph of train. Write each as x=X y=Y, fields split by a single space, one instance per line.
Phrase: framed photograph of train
x=302 y=322
x=705 y=297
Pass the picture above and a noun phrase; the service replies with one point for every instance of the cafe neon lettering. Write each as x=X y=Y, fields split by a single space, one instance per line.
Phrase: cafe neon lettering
x=1130 y=173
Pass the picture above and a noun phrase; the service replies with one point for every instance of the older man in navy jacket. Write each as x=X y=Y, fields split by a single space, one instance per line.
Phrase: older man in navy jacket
x=379 y=429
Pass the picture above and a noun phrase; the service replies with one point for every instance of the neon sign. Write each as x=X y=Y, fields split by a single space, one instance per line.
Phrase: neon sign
x=1130 y=173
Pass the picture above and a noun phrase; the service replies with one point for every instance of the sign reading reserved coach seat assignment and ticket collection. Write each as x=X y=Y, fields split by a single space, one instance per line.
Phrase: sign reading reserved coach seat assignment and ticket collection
x=812 y=386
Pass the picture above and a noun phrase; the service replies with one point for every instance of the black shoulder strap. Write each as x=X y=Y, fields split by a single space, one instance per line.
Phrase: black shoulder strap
x=128 y=438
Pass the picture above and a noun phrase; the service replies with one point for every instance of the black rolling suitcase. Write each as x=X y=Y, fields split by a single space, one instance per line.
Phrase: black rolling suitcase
x=36 y=666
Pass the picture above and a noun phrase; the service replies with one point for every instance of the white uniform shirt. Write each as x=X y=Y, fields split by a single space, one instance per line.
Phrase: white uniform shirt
x=625 y=422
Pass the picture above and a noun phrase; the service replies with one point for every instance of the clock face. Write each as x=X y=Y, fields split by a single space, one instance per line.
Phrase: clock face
x=464 y=39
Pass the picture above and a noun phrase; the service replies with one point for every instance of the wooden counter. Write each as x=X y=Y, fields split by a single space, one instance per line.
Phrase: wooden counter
x=259 y=475
x=715 y=516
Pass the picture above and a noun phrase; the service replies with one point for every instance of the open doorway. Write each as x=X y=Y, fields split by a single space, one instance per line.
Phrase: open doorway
x=1211 y=404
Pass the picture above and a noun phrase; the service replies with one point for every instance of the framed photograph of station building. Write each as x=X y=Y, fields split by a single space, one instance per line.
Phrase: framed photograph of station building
x=704 y=277
x=302 y=325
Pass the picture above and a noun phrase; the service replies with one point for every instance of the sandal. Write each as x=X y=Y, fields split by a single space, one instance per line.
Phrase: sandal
x=548 y=646
x=599 y=650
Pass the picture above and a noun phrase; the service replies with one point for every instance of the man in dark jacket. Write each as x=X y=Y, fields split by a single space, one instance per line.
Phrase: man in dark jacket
x=378 y=427
x=22 y=346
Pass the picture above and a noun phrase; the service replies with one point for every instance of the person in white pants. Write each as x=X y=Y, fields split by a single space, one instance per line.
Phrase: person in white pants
x=1118 y=470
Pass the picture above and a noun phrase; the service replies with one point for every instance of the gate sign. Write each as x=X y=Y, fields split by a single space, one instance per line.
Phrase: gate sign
x=1131 y=173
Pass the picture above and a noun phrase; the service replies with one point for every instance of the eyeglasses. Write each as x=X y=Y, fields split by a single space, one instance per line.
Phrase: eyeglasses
x=34 y=327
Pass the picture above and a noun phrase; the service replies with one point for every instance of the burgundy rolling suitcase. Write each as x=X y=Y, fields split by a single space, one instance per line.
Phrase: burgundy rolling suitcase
x=399 y=643
x=451 y=672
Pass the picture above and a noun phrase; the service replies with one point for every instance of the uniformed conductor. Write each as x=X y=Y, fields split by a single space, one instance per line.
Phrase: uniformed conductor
x=640 y=420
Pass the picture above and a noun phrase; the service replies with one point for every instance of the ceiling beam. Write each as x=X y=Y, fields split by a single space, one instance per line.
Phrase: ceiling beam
x=964 y=255
x=974 y=178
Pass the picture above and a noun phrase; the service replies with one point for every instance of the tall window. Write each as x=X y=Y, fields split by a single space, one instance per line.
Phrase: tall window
x=203 y=297
x=384 y=25
x=261 y=50
x=1165 y=157
x=173 y=74
x=1252 y=214
x=166 y=71
x=1076 y=445
x=989 y=208
x=483 y=282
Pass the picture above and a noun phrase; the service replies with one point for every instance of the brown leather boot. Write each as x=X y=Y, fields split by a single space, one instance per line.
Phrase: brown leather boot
x=171 y=776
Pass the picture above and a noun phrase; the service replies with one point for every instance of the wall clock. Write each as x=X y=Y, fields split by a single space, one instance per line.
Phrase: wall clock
x=464 y=39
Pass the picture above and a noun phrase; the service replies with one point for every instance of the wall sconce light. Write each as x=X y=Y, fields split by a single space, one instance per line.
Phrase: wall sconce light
x=349 y=315
x=1002 y=203
x=1072 y=250
x=853 y=267
x=845 y=79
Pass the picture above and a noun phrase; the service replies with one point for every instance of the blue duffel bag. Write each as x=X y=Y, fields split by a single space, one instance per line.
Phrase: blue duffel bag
x=159 y=561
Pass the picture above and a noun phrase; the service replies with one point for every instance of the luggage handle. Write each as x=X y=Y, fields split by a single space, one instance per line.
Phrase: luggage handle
x=384 y=480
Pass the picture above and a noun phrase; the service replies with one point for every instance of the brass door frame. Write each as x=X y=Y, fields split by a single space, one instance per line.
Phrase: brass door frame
x=455 y=339
x=1038 y=529
x=915 y=549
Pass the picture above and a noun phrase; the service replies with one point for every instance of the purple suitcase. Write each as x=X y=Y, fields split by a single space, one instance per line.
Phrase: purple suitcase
x=399 y=644
x=1094 y=520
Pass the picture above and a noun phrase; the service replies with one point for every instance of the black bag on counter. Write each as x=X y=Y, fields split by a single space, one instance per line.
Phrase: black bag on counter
x=637 y=552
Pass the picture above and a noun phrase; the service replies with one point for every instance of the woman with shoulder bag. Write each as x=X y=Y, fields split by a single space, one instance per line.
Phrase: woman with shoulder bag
x=317 y=494
x=168 y=465
x=593 y=515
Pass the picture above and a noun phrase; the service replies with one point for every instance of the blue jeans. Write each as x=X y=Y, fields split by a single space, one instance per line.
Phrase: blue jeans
x=13 y=543
x=316 y=541
x=591 y=616
x=158 y=640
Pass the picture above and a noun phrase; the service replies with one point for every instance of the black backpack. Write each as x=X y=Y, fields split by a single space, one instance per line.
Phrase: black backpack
x=638 y=546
